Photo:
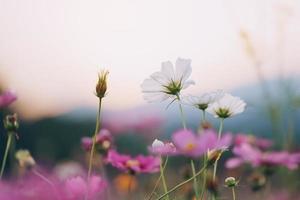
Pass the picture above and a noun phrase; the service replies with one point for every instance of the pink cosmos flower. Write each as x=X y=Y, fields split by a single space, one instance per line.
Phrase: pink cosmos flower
x=251 y=139
x=160 y=148
x=245 y=153
x=76 y=187
x=190 y=144
x=138 y=164
x=103 y=141
x=6 y=98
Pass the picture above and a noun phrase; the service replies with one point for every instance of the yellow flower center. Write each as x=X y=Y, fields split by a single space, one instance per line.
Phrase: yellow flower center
x=190 y=146
x=132 y=163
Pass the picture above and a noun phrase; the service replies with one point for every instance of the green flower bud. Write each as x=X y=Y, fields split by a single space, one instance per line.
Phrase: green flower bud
x=11 y=123
x=231 y=182
x=101 y=86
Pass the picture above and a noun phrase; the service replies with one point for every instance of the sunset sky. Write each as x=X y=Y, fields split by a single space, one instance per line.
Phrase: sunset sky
x=51 y=51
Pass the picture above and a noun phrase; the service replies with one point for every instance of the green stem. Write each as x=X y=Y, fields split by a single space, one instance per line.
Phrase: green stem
x=183 y=183
x=94 y=144
x=195 y=180
x=9 y=139
x=204 y=180
x=203 y=116
x=181 y=113
x=158 y=180
x=233 y=193
x=162 y=174
x=219 y=137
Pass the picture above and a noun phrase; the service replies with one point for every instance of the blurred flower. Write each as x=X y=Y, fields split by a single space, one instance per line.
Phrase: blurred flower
x=201 y=102
x=168 y=82
x=103 y=141
x=226 y=106
x=257 y=181
x=76 y=187
x=123 y=181
x=160 y=148
x=252 y=140
x=138 y=164
x=101 y=86
x=6 y=98
x=246 y=153
x=11 y=123
x=68 y=169
x=190 y=144
x=24 y=158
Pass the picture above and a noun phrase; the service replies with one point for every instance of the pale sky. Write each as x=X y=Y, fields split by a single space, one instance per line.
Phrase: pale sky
x=51 y=50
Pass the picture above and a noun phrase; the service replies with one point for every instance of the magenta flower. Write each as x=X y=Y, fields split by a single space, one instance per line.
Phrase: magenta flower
x=245 y=153
x=138 y=164
x=160 y=148
x=251 y=139
x=190 y=144
x=76 y=187
x=6 y=98
x=103 y=141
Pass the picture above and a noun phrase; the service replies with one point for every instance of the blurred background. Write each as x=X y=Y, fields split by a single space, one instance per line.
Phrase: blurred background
x=51 y=52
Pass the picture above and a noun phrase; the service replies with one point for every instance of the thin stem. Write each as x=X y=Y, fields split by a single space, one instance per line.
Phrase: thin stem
x=233 y=193
x=203 y=116
x=93 y=145
x=129 y=187
x=9 y=139
x=183 y=183
x=219 y=137
x=195 y=180
x=204 y=180
x=181 y=113
x=163 y=178
x=158 y=180
x=94 y=140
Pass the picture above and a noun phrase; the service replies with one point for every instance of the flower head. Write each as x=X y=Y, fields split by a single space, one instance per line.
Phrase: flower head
x=226 y=106
x=246 y=153
x=201 y=102
x=168 y=82
x=252 y=140
x=6 y=98
x=191 y=144
x=101 y=86
x=133 y=165
x=160 y=148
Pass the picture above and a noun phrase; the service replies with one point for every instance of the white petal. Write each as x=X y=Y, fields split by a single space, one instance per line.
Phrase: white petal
x=168 y=70
x=183 y=69
x=150 y=85
x=187 y=83
x=155 y=97
x=157 y=143
x=161 y=78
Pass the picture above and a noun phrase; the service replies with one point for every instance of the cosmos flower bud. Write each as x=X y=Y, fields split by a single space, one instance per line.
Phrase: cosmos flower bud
x=231 y=182
x=25 y=159
x=214 y=155
x=101 y=86
x=11 y=123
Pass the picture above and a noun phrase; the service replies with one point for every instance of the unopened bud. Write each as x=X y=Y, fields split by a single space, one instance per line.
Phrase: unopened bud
x=101 y=86
x=214 y=155
x=11 y=123
x=231 y=182
x=25 y=159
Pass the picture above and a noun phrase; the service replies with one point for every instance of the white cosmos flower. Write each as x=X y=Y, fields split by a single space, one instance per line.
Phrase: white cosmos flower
x=168 y=82
x=202 y=101
x=226 y=106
